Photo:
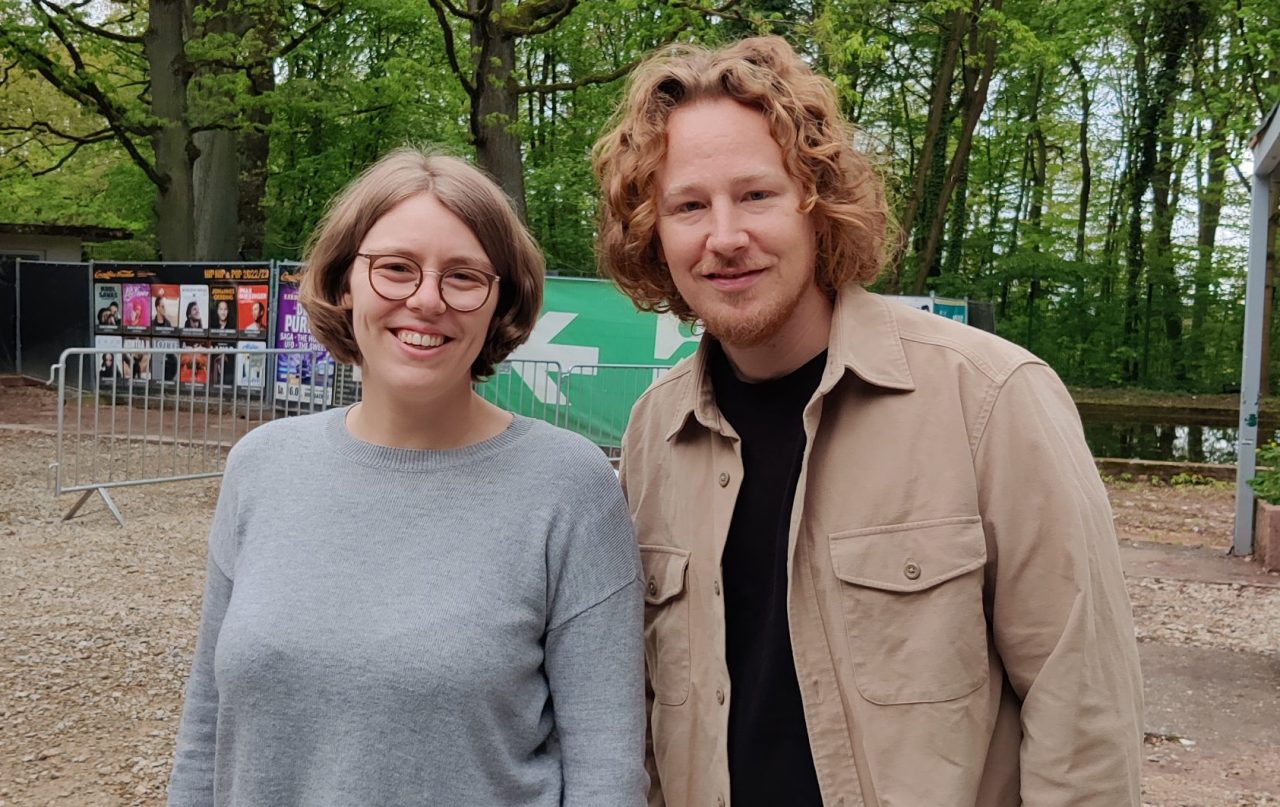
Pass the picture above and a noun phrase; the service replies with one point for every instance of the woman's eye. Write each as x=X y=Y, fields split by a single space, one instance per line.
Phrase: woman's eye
x=688 y=207
x=758 y=196
x=465 y=277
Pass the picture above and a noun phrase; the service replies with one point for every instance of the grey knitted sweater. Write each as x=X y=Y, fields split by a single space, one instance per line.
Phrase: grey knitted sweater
x=397 y=627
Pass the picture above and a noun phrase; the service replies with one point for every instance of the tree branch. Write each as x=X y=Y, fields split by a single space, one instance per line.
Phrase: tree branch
x=450 y=49
x=539 y=17
x=325 y=16
x=1251 y=71
x=126 y=39
x=86 y=93
x=62 y=37
x=45 y=126
x=458 y=12
x=567 y=86
x=67 y=156
x=722 y=9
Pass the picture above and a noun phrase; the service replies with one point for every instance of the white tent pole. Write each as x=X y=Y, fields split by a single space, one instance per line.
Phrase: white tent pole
x=1251 y=366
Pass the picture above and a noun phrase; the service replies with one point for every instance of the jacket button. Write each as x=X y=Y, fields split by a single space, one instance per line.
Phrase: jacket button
x=911 y=570
x=724 y=479
x=653 y=587
x=719 y=801
x=720 y=696
x=716 y=586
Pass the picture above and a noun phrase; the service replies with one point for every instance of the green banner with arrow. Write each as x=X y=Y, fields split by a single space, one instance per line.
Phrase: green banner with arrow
x=592 y=354
x=588 y=359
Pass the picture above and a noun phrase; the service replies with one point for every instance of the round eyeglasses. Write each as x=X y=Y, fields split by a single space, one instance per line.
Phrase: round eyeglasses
x=395 y=277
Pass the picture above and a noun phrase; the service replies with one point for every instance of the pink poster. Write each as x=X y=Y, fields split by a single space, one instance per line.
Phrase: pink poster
x=137 y=307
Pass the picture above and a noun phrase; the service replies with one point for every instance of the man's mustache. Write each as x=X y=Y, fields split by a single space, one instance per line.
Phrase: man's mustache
x=716 y=265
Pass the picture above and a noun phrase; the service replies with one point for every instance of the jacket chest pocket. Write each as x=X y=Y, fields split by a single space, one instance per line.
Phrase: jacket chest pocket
x=666 y=621
x=912 y=599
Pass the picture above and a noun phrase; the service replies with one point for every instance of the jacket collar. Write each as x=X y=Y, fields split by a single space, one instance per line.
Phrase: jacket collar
x=865 y=341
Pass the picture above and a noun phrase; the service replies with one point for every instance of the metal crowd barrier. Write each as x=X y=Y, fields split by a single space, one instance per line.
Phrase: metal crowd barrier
x=137 y=416
x=593 y=400
x=527 y=387
x=601 y=397
x=132 y=416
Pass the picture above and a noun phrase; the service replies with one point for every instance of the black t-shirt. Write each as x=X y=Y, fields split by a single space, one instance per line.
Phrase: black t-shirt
x=770 y=762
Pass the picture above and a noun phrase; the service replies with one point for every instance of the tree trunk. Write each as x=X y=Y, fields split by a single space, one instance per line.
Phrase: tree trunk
x=1086 y=170
x=1174 y=307
x=1176 y=25
x=231 y=170
x=958 y=226
x=495 y=108
x=1209 y=216
x=976 y=102
x=1160 y=259
x=1141 y=163
x=215 y=181
x=168 y=28
x=255 y=147
x=1039 y=156
x=935 y=133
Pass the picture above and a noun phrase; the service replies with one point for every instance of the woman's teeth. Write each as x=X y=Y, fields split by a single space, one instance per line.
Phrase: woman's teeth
x=421 y=339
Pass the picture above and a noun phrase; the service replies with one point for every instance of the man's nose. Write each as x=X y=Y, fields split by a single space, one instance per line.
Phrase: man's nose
x=728 y=235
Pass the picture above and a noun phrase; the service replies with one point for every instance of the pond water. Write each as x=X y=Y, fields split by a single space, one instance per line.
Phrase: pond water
x=1156 y=441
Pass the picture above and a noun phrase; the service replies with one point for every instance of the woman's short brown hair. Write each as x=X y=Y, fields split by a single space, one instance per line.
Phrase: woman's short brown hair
x=465 y=191
x=841 y=188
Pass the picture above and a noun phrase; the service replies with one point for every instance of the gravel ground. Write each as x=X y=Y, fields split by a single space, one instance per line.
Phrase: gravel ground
x=97 y=627
x=1208 y=615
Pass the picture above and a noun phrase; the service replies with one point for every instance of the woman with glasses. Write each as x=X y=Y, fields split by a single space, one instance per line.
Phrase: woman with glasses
x=420 y=599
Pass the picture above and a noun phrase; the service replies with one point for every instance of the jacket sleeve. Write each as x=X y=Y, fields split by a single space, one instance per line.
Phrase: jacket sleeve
x=1060 y=615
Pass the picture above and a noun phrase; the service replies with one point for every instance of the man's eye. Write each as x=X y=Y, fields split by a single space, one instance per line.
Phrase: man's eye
x=758 y=196
x=687 y=207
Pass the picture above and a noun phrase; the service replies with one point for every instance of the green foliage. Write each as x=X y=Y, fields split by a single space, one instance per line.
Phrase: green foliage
x=1197 y=480
x=333 y=87
x=1266 y=481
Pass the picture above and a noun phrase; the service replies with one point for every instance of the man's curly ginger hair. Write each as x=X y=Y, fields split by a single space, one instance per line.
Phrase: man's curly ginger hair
x=841 y=188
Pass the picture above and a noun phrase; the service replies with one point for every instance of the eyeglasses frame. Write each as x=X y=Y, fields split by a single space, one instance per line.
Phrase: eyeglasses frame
x=422 y=274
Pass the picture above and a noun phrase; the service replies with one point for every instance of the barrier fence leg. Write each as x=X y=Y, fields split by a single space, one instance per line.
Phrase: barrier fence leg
x=106 y=499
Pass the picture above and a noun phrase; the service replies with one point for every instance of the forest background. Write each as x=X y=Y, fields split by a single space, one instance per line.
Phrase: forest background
x=1080 y=163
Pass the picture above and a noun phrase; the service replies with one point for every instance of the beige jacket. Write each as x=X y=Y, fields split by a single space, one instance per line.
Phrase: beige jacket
x=959 y=622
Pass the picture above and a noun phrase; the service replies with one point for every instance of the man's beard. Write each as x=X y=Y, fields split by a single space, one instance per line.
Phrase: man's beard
x=752 y=329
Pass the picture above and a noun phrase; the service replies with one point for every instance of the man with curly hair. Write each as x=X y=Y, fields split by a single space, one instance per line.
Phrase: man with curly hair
x=879 y=563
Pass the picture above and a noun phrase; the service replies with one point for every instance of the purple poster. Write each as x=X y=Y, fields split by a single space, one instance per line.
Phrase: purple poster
x=299 y=376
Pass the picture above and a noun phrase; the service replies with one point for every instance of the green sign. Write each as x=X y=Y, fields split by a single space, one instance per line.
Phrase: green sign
x=588 y=359
x=592 y=354
x=951 y=309
x=942 y=306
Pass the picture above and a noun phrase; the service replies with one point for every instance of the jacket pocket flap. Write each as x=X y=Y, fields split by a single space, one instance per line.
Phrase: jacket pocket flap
x=909 y=557
x=664 y=572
